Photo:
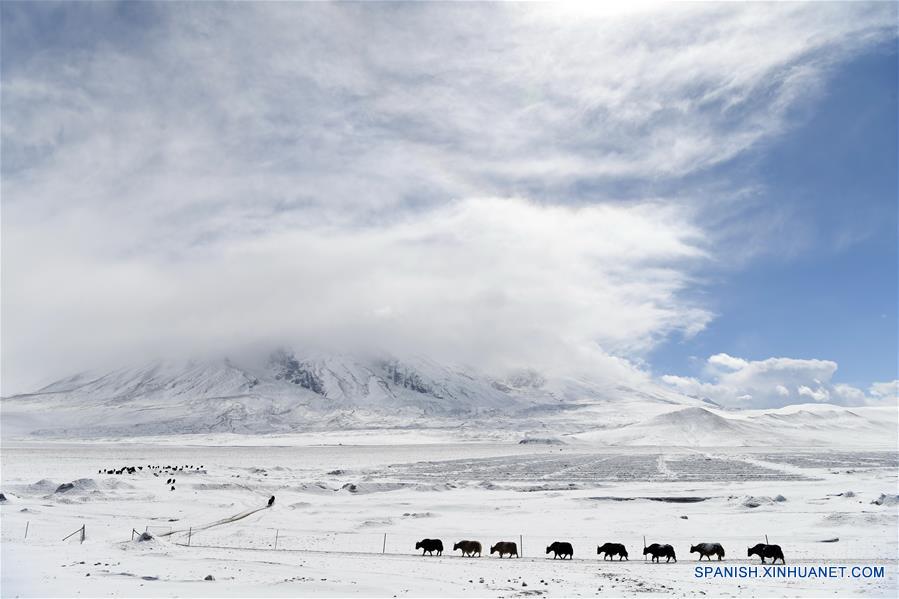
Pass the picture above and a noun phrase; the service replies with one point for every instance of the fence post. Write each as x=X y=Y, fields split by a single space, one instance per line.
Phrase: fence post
x=766 y=539
x=189 y=532
x=520 y=545
x=276 y=538
x=384 y=544
x=26 y=528
x=82 y=532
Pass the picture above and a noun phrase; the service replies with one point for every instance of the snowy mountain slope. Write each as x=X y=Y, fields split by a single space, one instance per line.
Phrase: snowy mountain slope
x=801 y=425
x=285 y=392
x=289 y=392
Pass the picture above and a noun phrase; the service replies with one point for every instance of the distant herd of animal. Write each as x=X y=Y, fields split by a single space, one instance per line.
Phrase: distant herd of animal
x=156 y=470
x=563 y=550
x=559 y=549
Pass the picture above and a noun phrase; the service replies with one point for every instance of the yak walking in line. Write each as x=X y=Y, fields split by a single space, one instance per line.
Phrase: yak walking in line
x=469 y=548
x=505 y=547
x=560 y=549
x=430 y=546
x=707 y=550
x=764 y=551
x=657 y=551
x=611 y=550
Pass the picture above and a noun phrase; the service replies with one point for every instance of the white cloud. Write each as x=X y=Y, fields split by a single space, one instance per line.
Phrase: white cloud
x=502 y=282
x=774 y=382
x=727 y=361
x=887 y=392
x=819 y=394
x=233 y=172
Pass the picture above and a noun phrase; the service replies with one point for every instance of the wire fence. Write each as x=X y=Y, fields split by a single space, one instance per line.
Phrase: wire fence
x=805 y=547
x=820 y=545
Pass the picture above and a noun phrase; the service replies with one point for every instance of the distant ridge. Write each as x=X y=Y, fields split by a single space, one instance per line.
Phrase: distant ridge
x=286 y=391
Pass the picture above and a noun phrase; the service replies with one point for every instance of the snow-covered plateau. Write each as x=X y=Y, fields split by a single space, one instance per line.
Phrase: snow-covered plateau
x=364 y=458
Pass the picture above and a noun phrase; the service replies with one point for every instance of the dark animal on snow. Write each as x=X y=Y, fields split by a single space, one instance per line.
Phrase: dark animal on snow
x=173 y=488
x=707 y=550
x=271 y=501
x=560 y=549
x=505 y=547
x=765 y=551
x=469 y=548
x=657 y=551
x=611 y=550
x=430 y=546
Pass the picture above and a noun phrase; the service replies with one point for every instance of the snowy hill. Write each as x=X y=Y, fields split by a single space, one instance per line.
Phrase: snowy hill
x=285 y=392
x=289 y=392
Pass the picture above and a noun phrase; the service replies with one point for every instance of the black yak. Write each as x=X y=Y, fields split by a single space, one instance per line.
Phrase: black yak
x=430 y=546
x=657 y=551
x=707 y=550
x=611 y=550
x=505 y=547
x=560 y=548
x=763 y=551
x=469 y=548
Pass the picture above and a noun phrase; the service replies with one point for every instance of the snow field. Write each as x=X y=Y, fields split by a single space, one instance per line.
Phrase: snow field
x=335 y=504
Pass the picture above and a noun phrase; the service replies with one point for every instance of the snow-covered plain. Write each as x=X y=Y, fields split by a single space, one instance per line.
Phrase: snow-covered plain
x=335 y=504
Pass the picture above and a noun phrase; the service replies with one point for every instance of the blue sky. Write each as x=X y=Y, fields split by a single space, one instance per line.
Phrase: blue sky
x=700 y=198
x=832 y=294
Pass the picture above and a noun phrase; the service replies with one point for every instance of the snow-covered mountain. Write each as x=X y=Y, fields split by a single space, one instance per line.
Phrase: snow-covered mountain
x=288 y=391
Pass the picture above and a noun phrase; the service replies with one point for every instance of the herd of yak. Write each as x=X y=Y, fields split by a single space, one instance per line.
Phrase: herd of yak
x=563 y=550
x=156 y=470
x=559 y=549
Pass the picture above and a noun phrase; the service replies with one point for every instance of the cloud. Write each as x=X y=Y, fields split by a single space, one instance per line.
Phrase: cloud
x=501 y=282
x=728 y=362
x=819 y=394
x=887 y=392
x=774 y=382
x=435 y=177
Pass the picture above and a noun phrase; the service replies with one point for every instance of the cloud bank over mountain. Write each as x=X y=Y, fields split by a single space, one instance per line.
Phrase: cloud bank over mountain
x=776 y=382
x=476 y=183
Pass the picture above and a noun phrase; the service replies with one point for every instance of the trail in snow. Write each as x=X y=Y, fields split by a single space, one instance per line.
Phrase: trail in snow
x=229 y=520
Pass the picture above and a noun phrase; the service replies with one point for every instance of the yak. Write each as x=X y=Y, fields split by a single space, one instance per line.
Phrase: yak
x=560 y=548
x=430 y=546
x=657 y=551
x=762 y=550
x=611 y=550
x=469 y=548
x=707 y=550
x=504 y=547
